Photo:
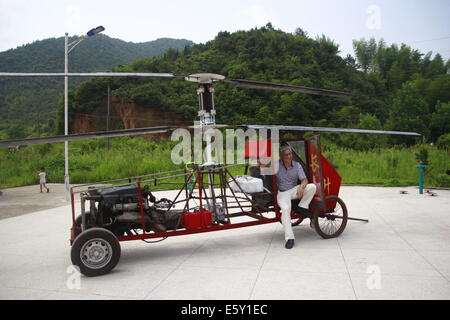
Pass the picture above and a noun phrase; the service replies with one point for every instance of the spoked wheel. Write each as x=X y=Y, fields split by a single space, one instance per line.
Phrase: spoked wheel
x=95 y=251
x=331 y=224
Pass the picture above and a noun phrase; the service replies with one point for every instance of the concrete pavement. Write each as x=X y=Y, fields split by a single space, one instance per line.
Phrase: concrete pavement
x=402 y=253
x=23 y=200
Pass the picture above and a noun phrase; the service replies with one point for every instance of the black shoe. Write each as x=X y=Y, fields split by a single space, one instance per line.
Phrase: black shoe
x=304 y=212
x=289 y=244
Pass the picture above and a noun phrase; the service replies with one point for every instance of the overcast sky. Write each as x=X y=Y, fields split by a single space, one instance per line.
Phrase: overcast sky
x=424 y=25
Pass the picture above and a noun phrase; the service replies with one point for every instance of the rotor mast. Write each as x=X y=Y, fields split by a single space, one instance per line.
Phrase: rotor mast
x=206 y=109
x=206 y=112
x=207 y=115
x=205 y=92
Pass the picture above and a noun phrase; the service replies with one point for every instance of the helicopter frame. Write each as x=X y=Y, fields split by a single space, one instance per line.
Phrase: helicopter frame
x=201 y=211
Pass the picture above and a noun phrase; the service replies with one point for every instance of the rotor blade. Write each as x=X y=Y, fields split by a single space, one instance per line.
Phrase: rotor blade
x=84 y=136
x=287 y=87
x=88 y=74
x=324 y=129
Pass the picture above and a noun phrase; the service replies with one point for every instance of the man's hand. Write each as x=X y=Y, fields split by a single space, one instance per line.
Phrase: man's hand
x=300 y=192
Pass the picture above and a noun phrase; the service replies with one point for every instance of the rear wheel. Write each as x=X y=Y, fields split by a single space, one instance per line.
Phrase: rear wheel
x=95 y=251
x=331 y=224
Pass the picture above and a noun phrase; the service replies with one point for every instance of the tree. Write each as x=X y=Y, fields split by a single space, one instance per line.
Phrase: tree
x=436 y=67
x=438 y=90
x=408 y=112
x=300 y=32
x=16 y=131
x=440 y=120
x=363 y=141
x=365 y=52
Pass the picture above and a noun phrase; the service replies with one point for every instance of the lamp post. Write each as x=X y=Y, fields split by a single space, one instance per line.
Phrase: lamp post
x=67 y=50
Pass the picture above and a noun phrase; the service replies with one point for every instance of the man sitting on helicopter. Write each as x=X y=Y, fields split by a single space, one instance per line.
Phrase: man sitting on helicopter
x=288 y=175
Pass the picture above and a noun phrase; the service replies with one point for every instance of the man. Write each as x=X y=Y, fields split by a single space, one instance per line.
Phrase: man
x=288 y=175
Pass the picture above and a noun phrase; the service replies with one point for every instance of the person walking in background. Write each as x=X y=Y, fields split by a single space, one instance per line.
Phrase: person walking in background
x=42 y=181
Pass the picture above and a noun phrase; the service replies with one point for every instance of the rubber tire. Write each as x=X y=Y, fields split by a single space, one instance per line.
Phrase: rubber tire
x=88 y=235
x=344 y=218
x=78 y=221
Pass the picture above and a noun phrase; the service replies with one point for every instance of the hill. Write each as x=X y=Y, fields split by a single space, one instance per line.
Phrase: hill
x=34 y=100
x=402 y=89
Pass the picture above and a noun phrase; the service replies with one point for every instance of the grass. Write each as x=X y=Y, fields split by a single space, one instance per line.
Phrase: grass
x=92 y=161
x=390 y=166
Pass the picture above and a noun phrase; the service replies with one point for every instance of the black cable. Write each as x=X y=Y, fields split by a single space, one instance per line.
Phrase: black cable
x=146 y=241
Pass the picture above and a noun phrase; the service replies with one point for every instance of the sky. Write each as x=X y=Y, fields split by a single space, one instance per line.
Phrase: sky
x=421 y=24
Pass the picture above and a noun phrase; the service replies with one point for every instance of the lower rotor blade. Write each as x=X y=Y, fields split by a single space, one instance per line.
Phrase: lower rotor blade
x=87 y=74
x=83 y=136
x=324 y=129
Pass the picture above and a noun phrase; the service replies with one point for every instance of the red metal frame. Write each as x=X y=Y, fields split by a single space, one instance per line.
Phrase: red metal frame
x=313 y=154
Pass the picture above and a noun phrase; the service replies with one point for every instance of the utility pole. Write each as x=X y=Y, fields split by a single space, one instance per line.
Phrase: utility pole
x=107 y=113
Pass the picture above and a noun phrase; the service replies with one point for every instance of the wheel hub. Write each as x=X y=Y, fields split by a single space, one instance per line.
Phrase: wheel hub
x=96 y=253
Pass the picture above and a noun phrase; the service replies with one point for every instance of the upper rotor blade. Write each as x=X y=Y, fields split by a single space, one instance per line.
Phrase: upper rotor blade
x=83 y=136
x=324 y=129
x=88 y=74
x=286 y=87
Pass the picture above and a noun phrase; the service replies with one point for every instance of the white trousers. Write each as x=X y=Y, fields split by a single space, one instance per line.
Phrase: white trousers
x=284 y=203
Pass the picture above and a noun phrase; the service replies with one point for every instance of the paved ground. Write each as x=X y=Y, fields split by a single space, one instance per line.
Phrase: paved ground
x=402 y=253
x=22 y=200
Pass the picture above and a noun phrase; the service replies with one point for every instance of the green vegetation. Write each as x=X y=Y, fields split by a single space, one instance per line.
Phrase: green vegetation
x=402 y=89
x=33 y=101
x=92 y=161
x=391 y=167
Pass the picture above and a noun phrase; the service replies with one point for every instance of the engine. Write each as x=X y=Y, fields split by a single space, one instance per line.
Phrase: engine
x=117 y=209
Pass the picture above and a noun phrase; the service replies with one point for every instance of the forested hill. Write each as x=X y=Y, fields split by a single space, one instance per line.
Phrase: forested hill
x=23 y=99
x=402 y=88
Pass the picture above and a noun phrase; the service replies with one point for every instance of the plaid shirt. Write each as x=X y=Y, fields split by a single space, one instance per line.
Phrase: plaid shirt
x=287 y=178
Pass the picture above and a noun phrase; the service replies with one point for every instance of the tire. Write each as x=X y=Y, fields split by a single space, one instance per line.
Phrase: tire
x=331 y=224
x=78 y=223
x=95 y=251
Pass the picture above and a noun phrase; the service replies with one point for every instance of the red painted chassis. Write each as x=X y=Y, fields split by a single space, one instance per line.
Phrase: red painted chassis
x=312 y=160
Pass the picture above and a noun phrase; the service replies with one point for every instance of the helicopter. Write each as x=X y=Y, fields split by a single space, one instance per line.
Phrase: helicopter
x=207 y=196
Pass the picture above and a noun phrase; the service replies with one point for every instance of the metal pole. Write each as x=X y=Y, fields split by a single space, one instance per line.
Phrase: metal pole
x=420 y=167
x=66 y=119
x=107 y=116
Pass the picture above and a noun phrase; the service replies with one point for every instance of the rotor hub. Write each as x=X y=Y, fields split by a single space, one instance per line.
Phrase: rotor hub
x=204 y=78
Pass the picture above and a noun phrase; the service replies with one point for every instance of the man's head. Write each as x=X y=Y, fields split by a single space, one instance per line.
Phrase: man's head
x=286 y=154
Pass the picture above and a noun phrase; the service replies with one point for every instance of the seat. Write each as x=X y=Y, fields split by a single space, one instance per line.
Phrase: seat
x=265 y=198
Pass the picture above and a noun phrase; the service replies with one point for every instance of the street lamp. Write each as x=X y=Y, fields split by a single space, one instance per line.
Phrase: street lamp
x=67 y=50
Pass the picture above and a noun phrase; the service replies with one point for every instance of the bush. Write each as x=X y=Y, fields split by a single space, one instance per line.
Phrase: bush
x=443 y=141
x=422 y=156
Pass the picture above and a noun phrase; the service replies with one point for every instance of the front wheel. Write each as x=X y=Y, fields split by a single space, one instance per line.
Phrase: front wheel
x=78 y=222
x=331 y=224
x=95 y=251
